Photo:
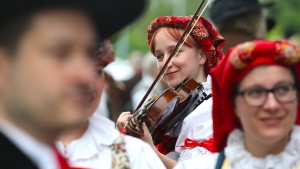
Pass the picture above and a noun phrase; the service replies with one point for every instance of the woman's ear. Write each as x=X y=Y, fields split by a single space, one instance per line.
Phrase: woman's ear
x=202 y=57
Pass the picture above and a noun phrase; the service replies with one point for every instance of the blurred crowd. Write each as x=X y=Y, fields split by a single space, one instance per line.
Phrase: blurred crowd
x=68 y=102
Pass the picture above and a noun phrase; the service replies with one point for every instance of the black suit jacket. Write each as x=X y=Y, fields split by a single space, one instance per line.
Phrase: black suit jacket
x=11 y=157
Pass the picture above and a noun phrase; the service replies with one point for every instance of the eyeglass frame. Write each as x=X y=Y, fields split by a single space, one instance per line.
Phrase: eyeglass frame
x=267 y=91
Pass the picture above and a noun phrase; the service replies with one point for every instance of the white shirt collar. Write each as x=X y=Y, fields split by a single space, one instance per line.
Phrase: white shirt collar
x=41 y=154
x=235 y=151
x=96 y=138
x=207 y=85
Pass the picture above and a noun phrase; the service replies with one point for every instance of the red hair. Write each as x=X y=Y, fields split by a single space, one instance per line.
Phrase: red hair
x=174 y=33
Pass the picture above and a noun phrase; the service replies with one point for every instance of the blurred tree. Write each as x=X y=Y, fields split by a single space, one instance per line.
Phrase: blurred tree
x=135 y=37
x=285 y=12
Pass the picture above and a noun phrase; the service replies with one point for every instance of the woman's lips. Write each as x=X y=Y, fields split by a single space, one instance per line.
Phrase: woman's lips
x=171 y=74
x=272 y=121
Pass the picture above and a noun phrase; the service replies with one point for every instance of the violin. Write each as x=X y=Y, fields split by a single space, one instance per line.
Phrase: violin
x=186 y=92
x=153 y=113
x=161 y=113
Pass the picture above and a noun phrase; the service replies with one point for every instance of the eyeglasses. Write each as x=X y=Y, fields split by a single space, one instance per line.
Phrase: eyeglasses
x=284 y=93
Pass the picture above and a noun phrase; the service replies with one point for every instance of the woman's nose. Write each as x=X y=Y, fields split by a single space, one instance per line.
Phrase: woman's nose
x=271 y=103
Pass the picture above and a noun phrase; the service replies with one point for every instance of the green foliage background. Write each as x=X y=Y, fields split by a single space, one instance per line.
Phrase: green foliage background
x=285 y=12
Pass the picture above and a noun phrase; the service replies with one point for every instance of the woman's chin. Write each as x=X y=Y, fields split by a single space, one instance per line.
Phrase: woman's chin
x=273 y=135
x=173 y=84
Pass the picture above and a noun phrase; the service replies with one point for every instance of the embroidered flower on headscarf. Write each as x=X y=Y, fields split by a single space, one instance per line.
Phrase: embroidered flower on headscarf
x=289 y=54
x=209 y=39
x=241 y=56
x=105 y=53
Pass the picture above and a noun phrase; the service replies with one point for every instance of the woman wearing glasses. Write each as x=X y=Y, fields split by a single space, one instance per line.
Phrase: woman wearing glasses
x=256 y=108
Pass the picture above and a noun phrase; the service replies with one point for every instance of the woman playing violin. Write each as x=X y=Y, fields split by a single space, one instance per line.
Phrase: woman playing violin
x=200 y=52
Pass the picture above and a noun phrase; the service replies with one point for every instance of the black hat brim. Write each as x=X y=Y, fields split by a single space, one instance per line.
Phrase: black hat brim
x=110 y=16
x=221 y=10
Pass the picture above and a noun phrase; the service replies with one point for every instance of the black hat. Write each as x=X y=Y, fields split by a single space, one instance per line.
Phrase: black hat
x=222 y=10
x=109 y=15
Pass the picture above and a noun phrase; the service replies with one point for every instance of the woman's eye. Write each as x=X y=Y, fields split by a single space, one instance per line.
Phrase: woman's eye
x=159 y=57
x=255 y=93
x=179 y=52
x=283 y=89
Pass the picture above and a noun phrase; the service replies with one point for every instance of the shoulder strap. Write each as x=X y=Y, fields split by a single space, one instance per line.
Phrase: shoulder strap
x=120 y=158
x=220 y=160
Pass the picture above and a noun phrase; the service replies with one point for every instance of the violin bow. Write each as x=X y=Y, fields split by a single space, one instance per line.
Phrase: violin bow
x=175 y=51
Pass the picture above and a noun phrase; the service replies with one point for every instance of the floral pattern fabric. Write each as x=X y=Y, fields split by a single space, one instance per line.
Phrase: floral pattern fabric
x=119 y=155
x=209 y=39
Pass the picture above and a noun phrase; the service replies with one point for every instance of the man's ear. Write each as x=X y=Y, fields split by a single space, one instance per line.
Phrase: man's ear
x=202 y=57
x=4 y=66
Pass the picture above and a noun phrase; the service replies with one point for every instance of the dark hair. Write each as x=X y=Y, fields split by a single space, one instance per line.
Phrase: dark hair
x=12 y=31
x=235 y=89
x=294 y=74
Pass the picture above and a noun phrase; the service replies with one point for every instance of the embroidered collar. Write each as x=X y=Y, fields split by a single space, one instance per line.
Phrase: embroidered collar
x=99 y=135
x=289 y=158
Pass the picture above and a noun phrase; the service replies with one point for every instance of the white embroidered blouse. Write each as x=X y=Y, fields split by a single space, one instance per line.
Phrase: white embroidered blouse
x=240 y=158
x=196 y=126
x=92 y=149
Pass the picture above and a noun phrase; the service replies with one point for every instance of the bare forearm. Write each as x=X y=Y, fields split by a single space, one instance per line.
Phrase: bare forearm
x=168 y=162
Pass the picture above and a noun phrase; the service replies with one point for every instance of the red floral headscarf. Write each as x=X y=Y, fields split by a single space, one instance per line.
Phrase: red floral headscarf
x=105 y=53
x=237 y=63
x=209 y=39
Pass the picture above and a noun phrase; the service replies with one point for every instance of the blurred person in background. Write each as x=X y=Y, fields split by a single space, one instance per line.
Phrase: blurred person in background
x=111 y=98
x=116 y=96
x=95 y=143
x=256 y=109
x=150 y=71
x=136 y=61
x=240 y=21
x=48 y=72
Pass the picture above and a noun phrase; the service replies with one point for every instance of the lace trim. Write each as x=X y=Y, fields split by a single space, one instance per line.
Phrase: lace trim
x=289 y=158
x=192 y=153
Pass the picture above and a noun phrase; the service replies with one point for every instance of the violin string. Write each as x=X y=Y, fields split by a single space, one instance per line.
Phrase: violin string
x=163 y=70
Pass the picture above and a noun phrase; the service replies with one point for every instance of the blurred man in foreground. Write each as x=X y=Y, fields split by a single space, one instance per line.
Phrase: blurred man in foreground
x=48 y=72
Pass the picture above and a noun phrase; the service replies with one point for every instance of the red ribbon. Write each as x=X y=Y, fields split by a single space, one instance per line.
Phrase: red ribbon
x=167 y=144
x=63 y=164
x=208 y=144
x=123 y=130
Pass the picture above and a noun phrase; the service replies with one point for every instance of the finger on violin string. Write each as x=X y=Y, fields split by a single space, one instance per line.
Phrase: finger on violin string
x=125 y=113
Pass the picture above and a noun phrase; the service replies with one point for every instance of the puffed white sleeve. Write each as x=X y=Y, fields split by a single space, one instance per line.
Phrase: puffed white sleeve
x=141 y=155
x=197 y=127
